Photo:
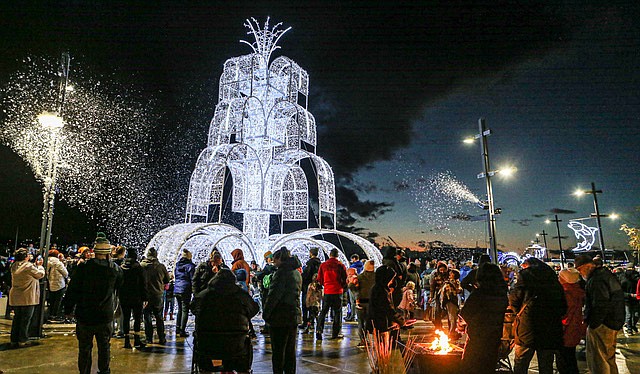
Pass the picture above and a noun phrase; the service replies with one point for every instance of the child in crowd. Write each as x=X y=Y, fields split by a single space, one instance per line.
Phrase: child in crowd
x=314 y=295
x=169 y=299
x=408 y=303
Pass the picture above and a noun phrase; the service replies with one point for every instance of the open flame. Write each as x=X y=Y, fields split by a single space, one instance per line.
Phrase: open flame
x=440 y=344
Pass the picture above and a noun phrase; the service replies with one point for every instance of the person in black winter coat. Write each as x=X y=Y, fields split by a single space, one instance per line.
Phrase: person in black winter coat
x=206 y=270
x=603 y=314
x=155 y=276
x=132 y=295
x=182 y=289
x=483 y=313
x=383 y=316
x=629 y=282
x=282 y=310
x=540 y=301
x=310 y=268
x=223 y=312
x=391 y=260
x=92 y=293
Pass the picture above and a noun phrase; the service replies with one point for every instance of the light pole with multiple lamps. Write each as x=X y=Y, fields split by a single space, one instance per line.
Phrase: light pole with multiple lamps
x=557 y=222
x=53 y=123
x=488 y=174
x=596 y=215
x=544 y=238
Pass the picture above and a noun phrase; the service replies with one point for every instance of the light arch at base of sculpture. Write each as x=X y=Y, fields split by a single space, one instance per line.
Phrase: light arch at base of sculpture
x=200 y=239
x=369 y=249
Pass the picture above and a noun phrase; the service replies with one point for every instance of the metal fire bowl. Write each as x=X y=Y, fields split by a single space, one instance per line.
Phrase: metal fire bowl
x=426 y=361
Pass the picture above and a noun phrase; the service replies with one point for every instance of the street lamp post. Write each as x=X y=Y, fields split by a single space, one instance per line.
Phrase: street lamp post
x=487 y=174
x=597 y=215
x=557 y=221
x=546 y=249
x=53 y=123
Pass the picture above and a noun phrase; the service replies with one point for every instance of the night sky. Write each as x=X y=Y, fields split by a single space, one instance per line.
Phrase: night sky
x=394 y=90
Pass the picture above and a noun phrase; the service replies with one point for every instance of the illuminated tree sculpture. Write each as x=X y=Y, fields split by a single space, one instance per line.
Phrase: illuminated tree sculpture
x=260 y=133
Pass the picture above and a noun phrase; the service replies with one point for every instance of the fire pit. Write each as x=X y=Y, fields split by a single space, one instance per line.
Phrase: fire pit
x=439 y=356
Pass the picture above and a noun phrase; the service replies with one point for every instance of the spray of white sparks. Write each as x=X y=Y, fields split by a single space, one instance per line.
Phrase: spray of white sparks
x=103 y=146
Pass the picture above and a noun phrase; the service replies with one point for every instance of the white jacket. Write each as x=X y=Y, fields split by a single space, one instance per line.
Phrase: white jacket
x=57 y=274
x=25 y=289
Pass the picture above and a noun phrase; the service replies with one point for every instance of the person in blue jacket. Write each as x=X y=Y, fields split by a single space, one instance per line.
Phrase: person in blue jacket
x=185 y=268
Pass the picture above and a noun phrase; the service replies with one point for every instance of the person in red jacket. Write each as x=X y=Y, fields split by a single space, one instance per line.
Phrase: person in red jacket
x=574 y=328
x=332 y=275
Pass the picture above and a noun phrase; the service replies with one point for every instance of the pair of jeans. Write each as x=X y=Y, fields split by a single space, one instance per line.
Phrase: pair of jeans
x=631 y=315
x=333 y=302
x=523 y=356
x=283 y=346
x=85 y=335
x=305 y=310
x=362 y=310
x=127 y=310
x=352 y=305
x=184 y=299
x=21 y=321
x=55 y=300
x=566 y=360
x=153 y=308
x=601 y=350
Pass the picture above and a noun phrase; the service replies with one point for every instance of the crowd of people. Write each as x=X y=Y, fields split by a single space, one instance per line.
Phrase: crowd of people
x=105 y=288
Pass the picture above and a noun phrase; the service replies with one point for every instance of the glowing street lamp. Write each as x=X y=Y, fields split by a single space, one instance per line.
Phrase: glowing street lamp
x=52 y=122
x=487 y=174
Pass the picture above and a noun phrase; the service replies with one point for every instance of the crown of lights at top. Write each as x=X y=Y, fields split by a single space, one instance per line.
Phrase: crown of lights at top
x=266 y=40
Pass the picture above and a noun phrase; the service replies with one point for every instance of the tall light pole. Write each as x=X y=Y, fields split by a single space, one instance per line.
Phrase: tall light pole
x=546 y=249
x=557 y=221
x=597 y=215
x=53 y=123
x=487 y=174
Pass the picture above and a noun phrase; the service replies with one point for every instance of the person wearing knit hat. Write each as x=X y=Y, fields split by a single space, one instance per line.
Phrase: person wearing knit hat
x=362 y=287
x=102 y=245
x=91 y=295
x=156 y=276
x=573 y=322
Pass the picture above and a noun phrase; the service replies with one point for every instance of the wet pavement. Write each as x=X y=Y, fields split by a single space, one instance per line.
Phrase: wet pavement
x=57 y=352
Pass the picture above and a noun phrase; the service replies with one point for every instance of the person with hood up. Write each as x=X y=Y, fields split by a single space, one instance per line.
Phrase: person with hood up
x=57 y=275
x=282 y=310
x=573 y=322
x=483 y=314
x=92 y=293
x=362 y=289
x=155 y=276
x=24 y=295
x=390 y=259
x=206 y=270
x=468 y=283
x=240 y=263
x=223 y=312
x=132 y=294
x=182 y=289
x=383 y=316
x=539 y=301
x=310 y=269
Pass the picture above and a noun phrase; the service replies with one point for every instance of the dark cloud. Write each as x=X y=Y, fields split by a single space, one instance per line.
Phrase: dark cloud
x=538 y=215
x=522 y=222
x=351 y=203
x=562 y=211
x=399 y=186
x=466 y=217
